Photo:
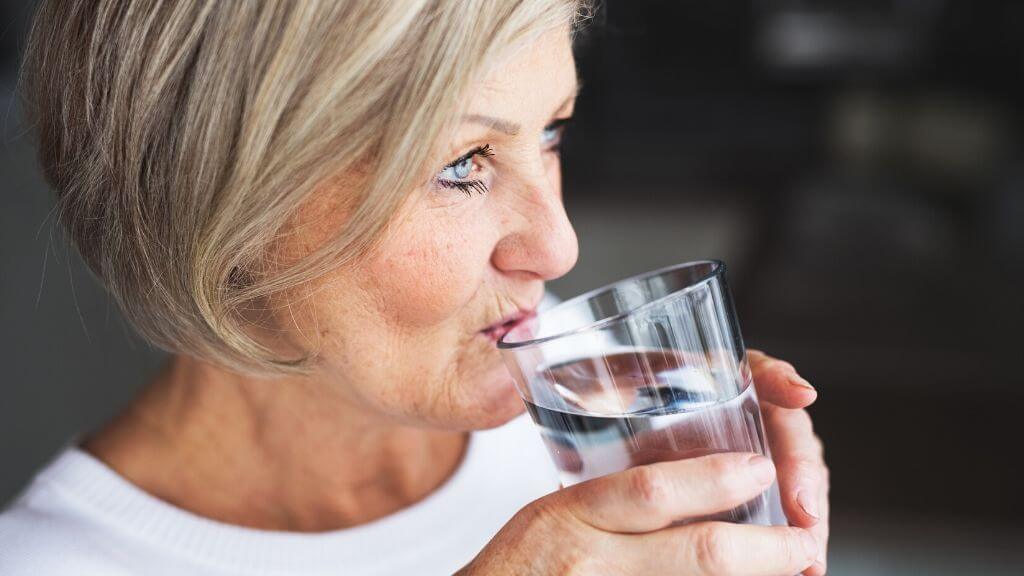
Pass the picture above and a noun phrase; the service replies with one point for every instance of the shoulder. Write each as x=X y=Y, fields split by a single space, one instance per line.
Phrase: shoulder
x=48 y=529
x=42 y=541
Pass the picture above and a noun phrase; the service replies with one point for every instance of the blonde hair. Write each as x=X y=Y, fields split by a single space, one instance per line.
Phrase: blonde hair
x=181 y=136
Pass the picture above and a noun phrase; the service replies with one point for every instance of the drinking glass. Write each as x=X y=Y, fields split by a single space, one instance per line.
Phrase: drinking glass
x=648 y=369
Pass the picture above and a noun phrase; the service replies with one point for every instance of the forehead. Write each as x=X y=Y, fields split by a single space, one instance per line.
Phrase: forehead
x=533 y=80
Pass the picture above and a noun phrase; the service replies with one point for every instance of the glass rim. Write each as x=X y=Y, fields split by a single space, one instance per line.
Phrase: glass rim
x=717 y=270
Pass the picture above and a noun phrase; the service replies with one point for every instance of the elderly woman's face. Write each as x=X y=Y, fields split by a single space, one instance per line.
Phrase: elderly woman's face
x=404 y=334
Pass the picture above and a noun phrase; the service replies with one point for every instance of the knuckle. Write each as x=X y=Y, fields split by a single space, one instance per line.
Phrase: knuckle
x=649 y=486
x=805 y=422
x=826 y=474
x=544 y=512
x=721 y=464
x=711 y=552
x=791 y=549
x=783 y=366
x=819 y=448
x=807 y=468
x=531 y=516
x=820 y=472
x=823 y=532
x=728 y=483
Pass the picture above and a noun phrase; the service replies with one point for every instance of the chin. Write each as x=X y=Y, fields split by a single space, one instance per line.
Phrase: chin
x=497 y=401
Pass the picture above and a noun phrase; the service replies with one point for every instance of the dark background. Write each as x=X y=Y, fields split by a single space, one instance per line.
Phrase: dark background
x=857 y=164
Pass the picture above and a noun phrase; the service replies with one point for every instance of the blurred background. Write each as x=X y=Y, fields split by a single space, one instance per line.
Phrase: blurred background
x=857 y=163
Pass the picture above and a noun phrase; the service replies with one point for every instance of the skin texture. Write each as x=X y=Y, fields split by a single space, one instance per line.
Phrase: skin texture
x=403 y=370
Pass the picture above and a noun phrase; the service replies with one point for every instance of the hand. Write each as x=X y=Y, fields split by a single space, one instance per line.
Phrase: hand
x=624 y=524
x=797 y=452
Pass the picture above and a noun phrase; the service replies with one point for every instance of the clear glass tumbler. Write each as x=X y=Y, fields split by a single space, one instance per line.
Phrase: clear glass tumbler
x=648 y=369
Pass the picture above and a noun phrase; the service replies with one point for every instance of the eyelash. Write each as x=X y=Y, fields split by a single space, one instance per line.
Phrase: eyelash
x=467 y=187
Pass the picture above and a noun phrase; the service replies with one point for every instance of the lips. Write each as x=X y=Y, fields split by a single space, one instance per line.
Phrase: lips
x=495 y=331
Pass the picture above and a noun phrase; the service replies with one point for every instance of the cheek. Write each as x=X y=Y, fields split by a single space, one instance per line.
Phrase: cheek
x=428 y=275
x=433 y=367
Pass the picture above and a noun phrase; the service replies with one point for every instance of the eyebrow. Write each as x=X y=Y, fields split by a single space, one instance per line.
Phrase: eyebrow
x=509 y=127
x=499 y=124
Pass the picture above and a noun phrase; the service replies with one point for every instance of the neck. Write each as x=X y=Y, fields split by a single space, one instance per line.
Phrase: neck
x=281 y=454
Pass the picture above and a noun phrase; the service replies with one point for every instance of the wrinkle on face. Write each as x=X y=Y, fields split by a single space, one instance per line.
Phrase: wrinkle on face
x=400 y=328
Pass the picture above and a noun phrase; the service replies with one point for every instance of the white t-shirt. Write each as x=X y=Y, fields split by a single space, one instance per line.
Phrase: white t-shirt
x=79 y=517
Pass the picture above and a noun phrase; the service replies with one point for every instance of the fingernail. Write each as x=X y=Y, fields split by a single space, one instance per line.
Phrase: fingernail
x=804 y=499
x=797 y=380
x=761 y=468
x=808 y=543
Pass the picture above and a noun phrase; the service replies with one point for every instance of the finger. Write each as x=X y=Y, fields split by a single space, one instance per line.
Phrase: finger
x=798 y=454
x=778 y=382
x=803 y=476
x=820 y=531
x=715 y=548
x=652 y=496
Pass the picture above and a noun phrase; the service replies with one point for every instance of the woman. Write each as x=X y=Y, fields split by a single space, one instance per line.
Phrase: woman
x=328 y=211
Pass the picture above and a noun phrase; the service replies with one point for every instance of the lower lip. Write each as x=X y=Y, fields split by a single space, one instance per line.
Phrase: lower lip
x=495 y=334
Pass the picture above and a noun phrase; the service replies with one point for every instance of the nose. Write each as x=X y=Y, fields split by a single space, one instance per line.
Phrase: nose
x=540 y=240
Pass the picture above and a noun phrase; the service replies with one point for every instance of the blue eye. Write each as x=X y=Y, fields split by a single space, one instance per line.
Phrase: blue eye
x=455 y=173
x=551 y=136
x=459 y=171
